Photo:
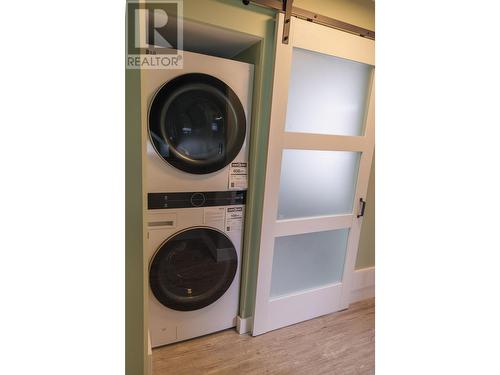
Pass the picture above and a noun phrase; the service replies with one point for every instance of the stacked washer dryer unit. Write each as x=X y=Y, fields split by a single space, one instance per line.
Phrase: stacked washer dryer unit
x=197 y=120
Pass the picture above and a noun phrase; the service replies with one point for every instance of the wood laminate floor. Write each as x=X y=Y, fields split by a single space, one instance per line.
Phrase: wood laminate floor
x=342 y=343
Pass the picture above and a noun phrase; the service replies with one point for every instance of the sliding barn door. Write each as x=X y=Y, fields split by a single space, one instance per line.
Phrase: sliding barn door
x=319 y=157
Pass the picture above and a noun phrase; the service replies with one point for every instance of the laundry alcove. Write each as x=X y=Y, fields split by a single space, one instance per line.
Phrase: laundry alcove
x=246 y=34
x=221 y=28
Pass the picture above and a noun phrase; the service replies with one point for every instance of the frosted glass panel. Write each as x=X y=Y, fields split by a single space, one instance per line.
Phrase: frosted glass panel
x=307 y=261
x=327 y=94
x=315 y=183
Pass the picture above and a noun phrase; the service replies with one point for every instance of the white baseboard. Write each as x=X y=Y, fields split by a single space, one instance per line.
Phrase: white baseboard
x=363 y=284
x=363 y=287
x=150 y=356
x=244 y=325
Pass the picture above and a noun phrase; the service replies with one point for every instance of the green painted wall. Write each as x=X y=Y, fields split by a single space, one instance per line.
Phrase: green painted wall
x=258 y=155
x=357 y=12
x=229 y=14
x=135 y=322
x=366 y=249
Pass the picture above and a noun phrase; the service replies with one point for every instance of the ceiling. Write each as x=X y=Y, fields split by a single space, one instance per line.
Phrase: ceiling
x=215 y=41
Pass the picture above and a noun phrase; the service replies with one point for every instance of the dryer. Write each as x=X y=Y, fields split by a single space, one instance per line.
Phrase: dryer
x=197 y=119
x=194 y=249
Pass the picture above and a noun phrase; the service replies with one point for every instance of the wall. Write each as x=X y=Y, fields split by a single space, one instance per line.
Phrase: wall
x=357 y=12
x=366 y=249
x=135 y=277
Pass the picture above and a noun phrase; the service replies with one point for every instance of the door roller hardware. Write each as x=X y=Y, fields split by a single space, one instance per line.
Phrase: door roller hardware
x=285 y=6
x=362 y=206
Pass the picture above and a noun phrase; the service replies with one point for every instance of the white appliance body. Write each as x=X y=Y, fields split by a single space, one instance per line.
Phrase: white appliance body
x=160 y=175
x=169 y=325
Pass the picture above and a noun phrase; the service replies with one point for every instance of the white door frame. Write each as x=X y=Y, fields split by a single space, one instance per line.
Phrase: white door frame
x=278 y=312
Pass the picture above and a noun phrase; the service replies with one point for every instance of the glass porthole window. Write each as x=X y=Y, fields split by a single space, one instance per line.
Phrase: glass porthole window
x=193 y=269
x=197 y=123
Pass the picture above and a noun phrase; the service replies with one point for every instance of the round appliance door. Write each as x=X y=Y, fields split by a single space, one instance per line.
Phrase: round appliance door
x=197 y=123
x=193 y=269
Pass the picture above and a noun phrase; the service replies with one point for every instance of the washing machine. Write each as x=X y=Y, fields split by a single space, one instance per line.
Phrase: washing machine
x=194 y=248
x=198 y=121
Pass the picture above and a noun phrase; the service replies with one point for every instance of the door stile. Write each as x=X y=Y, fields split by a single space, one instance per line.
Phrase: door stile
x=283 y=60
x=361 y=191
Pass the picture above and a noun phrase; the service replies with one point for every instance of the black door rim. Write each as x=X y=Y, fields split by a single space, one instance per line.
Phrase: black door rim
x=171 y=301
x=236 y=122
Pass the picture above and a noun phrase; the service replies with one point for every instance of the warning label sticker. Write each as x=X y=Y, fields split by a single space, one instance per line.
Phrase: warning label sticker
x=238 y=176
x=234 y=219
x=214 y=217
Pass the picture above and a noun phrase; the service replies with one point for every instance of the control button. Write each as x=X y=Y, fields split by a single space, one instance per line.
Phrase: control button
x=197 y=199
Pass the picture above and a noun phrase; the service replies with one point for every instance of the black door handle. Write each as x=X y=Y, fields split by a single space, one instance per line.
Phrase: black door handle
x=362 y=206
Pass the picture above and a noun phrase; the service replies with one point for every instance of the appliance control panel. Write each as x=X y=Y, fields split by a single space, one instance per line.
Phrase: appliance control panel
x=195 y=199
